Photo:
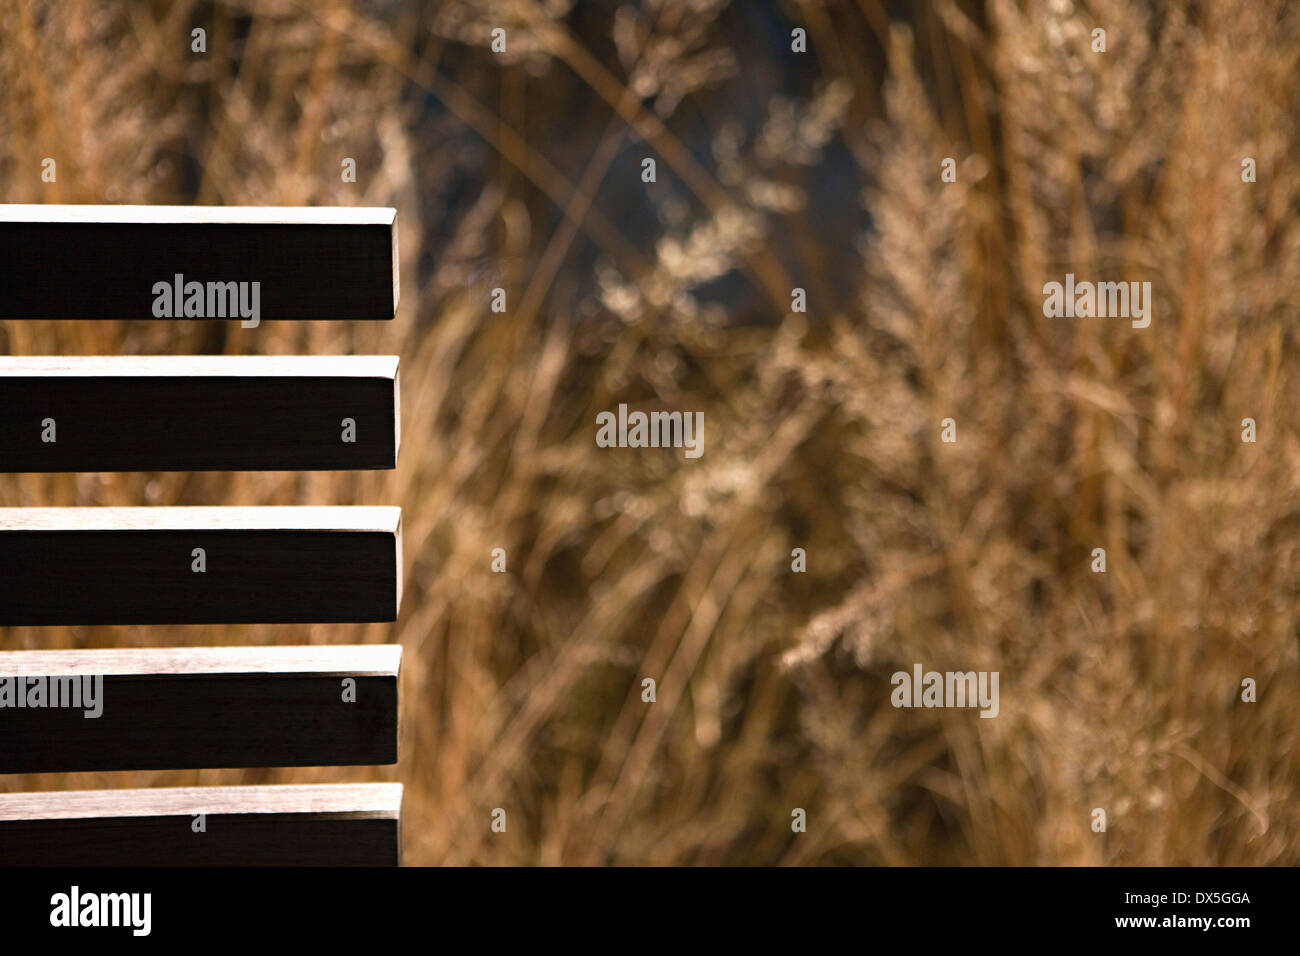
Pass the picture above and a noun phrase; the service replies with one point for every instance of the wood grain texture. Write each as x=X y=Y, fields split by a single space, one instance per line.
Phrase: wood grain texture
x=92 y=566
x=341 y=660
x=198 y=413
x=185 y=708
x=318 y=825
x=101 y=262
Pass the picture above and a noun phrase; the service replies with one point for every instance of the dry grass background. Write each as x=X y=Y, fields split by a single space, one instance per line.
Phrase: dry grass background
x=522 y=690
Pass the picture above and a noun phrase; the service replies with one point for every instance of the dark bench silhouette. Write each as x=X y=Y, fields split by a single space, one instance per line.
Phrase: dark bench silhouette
x=183 y=708
x=198 y=413
x=103 y=262
x=207 y=707
x=206 y=565
x=314 y=825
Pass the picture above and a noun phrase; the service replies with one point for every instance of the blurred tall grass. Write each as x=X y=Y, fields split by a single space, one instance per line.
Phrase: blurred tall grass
x=776 y=170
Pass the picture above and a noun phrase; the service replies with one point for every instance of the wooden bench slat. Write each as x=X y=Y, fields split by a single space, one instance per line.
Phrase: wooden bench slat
x=102 y=262
x=184 y=708
x=314 y=825
x=198 y=413
x=87 y=566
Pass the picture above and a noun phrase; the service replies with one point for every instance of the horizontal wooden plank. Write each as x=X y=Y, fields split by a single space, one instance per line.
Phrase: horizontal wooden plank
x=103 y=262
x=214 y=366
x=330 y=660
x=259 y=565
x=316 y=825
x=203 y=517
x=183 y=708
x=198 y=413
x=126 y=214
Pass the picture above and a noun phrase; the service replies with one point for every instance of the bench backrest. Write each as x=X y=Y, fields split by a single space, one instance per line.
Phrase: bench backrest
x=194 y=708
